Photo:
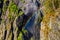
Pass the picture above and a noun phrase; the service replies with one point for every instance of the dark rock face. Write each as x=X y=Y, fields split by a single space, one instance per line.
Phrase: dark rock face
x=19 y=22
x=1 y=6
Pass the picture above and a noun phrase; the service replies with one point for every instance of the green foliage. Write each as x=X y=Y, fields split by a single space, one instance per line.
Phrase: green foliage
x=13 y=10
x=13 y=7
x=20 y=13
x=20 y=36
x=24 y=31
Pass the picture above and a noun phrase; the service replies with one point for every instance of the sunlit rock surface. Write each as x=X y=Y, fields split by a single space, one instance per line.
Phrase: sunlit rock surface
x=50 y=28
x=50 y=25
